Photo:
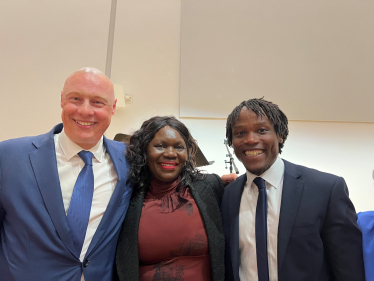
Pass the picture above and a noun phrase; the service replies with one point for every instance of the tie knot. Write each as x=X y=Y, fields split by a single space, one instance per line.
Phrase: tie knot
x=86 y=156
x=259 y=182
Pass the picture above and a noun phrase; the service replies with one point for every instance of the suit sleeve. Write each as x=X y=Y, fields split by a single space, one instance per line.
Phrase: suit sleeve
x=342 y=237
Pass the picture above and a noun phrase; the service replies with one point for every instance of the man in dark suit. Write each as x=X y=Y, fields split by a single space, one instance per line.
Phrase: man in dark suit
x=64 y=194
x=283 y=221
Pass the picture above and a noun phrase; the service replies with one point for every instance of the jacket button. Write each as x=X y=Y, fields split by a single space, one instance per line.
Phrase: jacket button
x=86 y=262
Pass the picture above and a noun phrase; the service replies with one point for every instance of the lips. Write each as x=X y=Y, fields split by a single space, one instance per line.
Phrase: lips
x=253 y=153
x=168 y=165
x=85 y=124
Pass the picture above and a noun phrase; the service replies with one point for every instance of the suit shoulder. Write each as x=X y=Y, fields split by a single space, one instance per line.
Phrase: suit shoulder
x=208 y=178
x=239 y=179
x=365 y=218
x=310 y=174
x=211 y=181
x=18 y=143
x=117 y=144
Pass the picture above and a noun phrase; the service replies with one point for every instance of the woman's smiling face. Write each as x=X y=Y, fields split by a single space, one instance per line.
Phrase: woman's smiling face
x=166 y=154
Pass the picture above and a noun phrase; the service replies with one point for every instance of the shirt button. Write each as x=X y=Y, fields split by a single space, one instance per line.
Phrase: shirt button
x=86 y=262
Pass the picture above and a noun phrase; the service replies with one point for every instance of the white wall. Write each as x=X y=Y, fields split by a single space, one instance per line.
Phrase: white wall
x=146 y=61
x=41 y=43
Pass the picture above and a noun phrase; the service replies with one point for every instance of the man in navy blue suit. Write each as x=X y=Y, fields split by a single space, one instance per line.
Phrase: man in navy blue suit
x=283 y=221
x=37 y=178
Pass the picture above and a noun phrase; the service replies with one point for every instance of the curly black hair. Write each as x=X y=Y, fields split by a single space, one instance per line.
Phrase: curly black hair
x=136 y=151
x=261 y=107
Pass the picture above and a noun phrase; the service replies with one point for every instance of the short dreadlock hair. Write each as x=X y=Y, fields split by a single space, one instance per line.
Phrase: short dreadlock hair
x=261 y=107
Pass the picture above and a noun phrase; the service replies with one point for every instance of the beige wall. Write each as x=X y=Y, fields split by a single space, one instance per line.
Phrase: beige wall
x=146 y=62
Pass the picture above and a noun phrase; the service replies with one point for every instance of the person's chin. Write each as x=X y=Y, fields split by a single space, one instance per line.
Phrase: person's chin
x=257 y=170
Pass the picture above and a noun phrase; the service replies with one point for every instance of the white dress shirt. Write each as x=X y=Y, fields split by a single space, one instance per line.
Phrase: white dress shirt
x=247 y=216
x=69 y=165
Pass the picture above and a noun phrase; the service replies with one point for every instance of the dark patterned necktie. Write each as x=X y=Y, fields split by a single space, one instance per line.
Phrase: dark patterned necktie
x=81 y=201
x=261 y=231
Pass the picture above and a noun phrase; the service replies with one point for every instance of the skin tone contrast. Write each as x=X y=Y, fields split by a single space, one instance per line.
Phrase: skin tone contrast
x=166 y=154
x=88 y=103
x=255 y=141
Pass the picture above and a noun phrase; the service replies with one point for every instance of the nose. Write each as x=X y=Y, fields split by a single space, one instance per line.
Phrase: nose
x=252 y=138
x=85 y=109
x=170 y=152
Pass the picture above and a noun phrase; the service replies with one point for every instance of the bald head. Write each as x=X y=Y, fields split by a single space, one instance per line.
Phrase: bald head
x=88 y=103
x=95 y=75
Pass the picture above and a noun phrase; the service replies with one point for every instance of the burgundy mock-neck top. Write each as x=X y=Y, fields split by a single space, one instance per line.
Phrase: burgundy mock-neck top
x=173 y=244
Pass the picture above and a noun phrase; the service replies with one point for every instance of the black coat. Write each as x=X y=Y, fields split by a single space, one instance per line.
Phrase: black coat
x=318 y=237
x=207 y=194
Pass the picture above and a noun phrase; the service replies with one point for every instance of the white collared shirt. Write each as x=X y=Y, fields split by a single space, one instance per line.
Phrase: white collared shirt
x=247 y=214
x=69 y=165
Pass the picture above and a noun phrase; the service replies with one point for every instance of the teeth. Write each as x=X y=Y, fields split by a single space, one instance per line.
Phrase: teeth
x=84 y=123
x=167 y=164
x=253 y=152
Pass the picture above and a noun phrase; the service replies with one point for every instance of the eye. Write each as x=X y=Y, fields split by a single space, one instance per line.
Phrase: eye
x=159 y=146
x=262 y=130
x=239 y=133
x=98 y=103
x=180 y=148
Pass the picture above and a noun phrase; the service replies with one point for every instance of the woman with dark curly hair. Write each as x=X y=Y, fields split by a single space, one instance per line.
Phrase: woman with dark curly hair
x=173 y=229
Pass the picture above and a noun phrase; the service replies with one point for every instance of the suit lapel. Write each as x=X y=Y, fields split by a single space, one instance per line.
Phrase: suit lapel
x=236 y=190
x=111 y=216
x=44 y=165
x=293 y=188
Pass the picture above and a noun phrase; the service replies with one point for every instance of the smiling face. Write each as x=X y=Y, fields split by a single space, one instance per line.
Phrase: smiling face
x=87 y=103
x=166 y=154
x=255 y=141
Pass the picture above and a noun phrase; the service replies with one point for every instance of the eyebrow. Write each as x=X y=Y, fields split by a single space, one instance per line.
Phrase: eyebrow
x=243 y=124
x=94 y=97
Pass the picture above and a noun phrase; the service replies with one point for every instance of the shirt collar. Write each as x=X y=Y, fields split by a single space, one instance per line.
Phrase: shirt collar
x=273 y=175
x=70 y=148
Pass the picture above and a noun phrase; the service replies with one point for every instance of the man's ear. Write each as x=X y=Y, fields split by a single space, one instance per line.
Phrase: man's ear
x=280 y=139
x=114 y=107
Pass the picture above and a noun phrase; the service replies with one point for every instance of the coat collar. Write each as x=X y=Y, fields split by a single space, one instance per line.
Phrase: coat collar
x=293 y=187
x=291 y=195
x=44 y=163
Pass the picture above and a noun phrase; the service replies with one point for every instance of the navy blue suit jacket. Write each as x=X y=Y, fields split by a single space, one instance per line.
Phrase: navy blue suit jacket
x=36 y=243
x=318 y=238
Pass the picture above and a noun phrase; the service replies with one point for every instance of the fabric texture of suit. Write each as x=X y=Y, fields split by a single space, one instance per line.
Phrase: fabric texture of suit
x=207 y=194
x=366 y=223
x=36 y=243
x=318 y=238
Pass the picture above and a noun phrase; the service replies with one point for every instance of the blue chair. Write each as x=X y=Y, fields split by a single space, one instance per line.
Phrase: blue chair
x=366 y=223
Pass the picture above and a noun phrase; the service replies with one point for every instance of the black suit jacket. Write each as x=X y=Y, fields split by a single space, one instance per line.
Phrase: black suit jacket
x=207 y=194
x=318 y=238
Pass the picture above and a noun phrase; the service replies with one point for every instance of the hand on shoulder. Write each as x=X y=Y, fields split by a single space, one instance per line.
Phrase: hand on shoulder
x=228 y=178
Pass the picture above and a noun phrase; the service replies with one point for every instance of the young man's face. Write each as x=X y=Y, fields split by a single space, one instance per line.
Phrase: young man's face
x=255 y=141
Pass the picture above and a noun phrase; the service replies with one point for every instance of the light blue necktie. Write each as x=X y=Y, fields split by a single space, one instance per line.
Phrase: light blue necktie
x=81 y=200
x=261 y=231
